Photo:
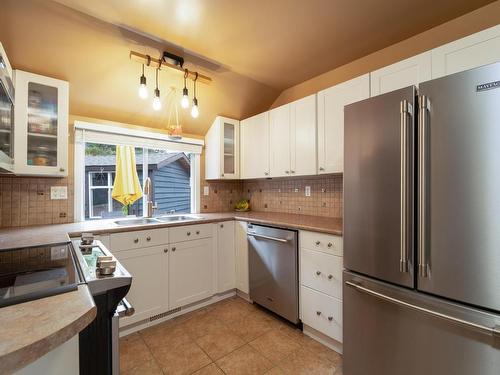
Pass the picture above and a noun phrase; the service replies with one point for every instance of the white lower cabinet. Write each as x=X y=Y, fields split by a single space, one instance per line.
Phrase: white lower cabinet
x=190 y=272
x=322 y=312
x=241 y=248
x=321 y=265
x=226 y=263
x=149 y=291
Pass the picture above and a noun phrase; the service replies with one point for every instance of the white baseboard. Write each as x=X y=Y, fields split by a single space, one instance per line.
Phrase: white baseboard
x=323 y=339
x=127 y=330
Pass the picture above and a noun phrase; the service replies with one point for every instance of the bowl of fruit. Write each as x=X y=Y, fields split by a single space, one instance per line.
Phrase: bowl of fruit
x=242 y=206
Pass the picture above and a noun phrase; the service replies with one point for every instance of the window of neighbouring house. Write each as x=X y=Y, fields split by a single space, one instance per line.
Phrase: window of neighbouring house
x=170 y=174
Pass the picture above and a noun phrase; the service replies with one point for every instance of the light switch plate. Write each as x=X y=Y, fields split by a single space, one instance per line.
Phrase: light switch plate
x=58 y=192
x=308 y=191
x=206 y=190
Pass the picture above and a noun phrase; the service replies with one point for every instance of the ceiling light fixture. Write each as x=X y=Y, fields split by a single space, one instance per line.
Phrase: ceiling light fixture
x=185 y=94
x=195 y=112
x=156 y=99
x=143 y=90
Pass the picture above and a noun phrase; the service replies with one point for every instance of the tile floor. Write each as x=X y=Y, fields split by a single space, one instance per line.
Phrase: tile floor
x=230 y=337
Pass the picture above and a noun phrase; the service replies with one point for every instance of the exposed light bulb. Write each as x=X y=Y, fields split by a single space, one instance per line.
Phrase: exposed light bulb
x=156 y=100
x=195 y=112
x=185 y=98
x=143 y=90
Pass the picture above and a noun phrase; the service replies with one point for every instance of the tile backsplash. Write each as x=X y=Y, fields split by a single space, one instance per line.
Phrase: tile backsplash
x=26 y=201
x=278 y=195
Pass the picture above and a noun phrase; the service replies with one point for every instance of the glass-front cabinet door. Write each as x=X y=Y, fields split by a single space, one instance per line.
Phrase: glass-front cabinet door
x=230 y=148
x=41 y=125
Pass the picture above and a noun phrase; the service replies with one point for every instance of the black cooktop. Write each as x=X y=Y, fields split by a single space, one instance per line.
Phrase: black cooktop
x=35 y=272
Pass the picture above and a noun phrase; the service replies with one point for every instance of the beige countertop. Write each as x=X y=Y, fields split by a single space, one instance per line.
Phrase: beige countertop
x=51 y=234
x=34 y=328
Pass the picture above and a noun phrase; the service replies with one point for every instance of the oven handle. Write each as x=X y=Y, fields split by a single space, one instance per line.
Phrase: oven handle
x=124 y=308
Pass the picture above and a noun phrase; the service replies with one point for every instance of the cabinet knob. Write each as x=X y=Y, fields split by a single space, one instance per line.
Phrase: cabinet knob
x=318 y=243
x=330 y=277
x=266 y=173
x=173 y=249
x=136 y=240
x=197 y=232
x=318 y=273
x=330 y=244
x=321 y=168
x=287 y=172
x=188 y=233
x=61 y=169
x=292 y=172
x=318 y=313
x=330 y=318
x=148 y=238
x=165 y=250
x=222 y=225
x=222 y=175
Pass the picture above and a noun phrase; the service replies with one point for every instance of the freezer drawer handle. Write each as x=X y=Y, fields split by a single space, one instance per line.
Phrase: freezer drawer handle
x=284 y=240
x=494 y=331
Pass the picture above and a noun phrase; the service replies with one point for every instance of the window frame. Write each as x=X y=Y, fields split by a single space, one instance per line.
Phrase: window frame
x=108 y=187
x=86 y=133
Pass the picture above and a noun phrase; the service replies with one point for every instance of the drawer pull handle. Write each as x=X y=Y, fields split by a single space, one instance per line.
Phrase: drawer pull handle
x=318 y=273
x=197 y=232
x=188 y=233
x=165 y=250
x=318 y=313
x=330 y=318
x=173 y=249
x=148 y=238
x=318 y=243
x=330 y=277
x=136 y=240
x=330 y=244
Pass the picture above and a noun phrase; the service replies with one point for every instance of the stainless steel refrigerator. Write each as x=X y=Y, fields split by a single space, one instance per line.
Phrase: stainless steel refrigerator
x=422 y=229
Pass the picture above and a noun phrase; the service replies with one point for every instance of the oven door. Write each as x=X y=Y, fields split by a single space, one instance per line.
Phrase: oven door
x=6 y=117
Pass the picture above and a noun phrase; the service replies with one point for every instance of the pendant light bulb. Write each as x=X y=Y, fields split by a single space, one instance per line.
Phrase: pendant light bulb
x=185 y=98
x=195 y=112
x=143 y=90
x=157 y=101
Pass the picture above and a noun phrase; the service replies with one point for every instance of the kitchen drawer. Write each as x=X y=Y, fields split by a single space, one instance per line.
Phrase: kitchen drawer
x=321 y=312
x=138 y=239
x=322 y=272
x=326 y=243
x=190 y=232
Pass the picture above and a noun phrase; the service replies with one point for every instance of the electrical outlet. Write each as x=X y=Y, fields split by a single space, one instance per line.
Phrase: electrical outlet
x=58 y=192
x=58 y=252
x=206 y=190
x=308 y=191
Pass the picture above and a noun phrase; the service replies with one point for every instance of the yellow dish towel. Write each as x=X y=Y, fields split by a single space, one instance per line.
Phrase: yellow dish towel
x=126 y=188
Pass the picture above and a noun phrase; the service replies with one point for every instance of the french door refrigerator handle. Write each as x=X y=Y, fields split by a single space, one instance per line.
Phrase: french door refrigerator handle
x=494 y=331
x=405 y=110
x=423 y=266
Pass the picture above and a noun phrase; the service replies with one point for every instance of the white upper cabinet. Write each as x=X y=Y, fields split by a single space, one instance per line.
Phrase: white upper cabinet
x=331 y=104
x=402 y=74
x=279 y=141
x=41 y=125
x=467 y=53
x=222 y=149
x=292 y=136
x=254 y=150
x=303 y=131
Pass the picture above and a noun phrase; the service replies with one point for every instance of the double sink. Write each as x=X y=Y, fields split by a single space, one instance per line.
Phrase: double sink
x=157 y=220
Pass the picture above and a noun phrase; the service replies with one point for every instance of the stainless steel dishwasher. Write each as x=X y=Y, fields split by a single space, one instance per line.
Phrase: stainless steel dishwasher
x=273 y=270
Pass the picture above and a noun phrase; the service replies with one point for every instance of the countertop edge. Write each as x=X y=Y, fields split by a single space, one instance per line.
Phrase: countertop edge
x=20 y=358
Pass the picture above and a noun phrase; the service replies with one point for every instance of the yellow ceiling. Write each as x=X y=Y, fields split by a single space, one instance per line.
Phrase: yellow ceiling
x=252 y=49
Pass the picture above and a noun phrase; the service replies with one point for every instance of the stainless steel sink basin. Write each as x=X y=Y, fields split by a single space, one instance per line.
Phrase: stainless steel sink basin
x=138 y=221
x=173 y=218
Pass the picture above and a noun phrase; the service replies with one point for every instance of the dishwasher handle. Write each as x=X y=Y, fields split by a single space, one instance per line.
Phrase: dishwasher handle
x=284 y=240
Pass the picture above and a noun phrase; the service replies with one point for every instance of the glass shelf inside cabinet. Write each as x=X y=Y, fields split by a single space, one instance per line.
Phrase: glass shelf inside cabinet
x=229 y=141
x=42 y=125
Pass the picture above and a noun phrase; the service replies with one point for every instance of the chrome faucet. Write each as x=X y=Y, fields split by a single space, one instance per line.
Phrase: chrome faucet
x=150 y=206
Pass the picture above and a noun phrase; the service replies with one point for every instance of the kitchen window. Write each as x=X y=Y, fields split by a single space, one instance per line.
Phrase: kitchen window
x=173 y=169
